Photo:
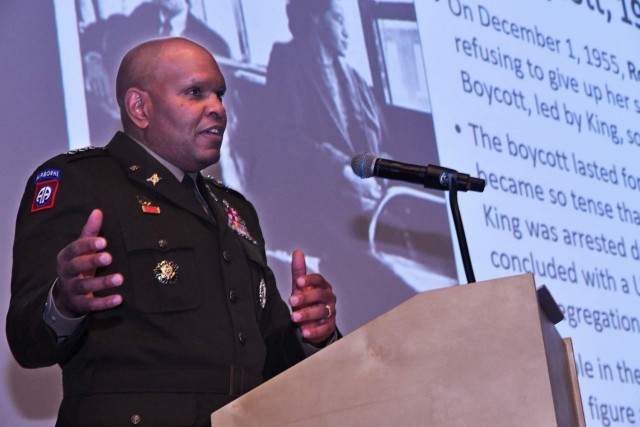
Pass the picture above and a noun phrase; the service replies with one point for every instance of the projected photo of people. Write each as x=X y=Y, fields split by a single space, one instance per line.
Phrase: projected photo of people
x=109 y=29
x=322 y=97
x=310 y=83
x=383 y=241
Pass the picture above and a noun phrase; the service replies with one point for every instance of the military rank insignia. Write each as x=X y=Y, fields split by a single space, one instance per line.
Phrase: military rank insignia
x=46 y=182
x=166 y=272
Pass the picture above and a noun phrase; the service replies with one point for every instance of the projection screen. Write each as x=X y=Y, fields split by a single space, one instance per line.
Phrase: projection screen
x=539 y=98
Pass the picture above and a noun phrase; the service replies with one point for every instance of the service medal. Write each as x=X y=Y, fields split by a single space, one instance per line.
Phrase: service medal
x=147 y=206
x=236 y=223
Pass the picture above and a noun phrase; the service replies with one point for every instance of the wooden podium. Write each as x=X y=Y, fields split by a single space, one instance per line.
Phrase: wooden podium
x=483 y=354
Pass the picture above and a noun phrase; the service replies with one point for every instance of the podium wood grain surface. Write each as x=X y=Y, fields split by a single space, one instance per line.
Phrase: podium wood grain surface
x=471 y=355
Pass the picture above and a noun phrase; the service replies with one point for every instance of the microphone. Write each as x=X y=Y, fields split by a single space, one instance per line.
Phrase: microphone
x=366 y=165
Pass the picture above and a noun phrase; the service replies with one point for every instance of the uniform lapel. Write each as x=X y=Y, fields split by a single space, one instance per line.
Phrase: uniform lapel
x=220 y=207
x=148 y=172
x=214 y=202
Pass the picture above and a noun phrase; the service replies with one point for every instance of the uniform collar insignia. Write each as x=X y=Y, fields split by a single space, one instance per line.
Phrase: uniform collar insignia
x=154 y=179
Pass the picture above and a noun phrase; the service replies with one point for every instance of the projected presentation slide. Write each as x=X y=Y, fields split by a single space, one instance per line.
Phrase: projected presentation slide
x=303 y=99
x=540 y=98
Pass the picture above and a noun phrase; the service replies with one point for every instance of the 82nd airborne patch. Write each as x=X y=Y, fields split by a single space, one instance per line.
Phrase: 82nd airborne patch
x=46 y=182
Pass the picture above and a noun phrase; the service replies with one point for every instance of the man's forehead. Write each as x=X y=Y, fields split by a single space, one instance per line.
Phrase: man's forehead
x=192 y=73
x=163 y=61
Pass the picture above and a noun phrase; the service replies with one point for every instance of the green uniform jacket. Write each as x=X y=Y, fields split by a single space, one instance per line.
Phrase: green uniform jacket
x=173 y=349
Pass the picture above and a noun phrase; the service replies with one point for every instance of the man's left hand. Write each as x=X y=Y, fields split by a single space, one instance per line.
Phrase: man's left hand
x=313 y=302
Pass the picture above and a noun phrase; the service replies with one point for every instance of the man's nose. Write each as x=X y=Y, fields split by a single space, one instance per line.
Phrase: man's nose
x=215 y=106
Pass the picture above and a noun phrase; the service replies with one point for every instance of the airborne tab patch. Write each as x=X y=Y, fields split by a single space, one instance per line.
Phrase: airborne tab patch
x=46 y=182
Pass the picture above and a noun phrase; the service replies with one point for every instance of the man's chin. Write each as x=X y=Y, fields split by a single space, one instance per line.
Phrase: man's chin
x=209 y=160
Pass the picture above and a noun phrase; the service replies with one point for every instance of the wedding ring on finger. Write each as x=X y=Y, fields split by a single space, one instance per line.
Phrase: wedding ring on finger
x=329 y=311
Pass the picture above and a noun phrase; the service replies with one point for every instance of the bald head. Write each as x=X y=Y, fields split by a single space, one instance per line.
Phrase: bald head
x=141 y=65
x=170 y=96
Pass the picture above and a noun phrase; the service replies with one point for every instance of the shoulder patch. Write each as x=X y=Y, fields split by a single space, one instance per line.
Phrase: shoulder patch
x=47 y=174
x=46 y=182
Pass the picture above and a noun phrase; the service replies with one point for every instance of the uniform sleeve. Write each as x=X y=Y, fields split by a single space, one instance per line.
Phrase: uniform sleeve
x=51 y=215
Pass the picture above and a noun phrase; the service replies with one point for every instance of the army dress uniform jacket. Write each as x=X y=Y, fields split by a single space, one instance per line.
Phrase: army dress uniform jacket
x=201 y=320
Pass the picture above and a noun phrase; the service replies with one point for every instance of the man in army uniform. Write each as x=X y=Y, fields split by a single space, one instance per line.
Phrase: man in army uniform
x=146 y=282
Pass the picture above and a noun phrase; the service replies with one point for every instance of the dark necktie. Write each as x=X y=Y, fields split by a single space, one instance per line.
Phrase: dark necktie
x=187 y=182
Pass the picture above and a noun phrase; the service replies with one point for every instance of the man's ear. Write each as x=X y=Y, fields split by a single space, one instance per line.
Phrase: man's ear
x=136 y=103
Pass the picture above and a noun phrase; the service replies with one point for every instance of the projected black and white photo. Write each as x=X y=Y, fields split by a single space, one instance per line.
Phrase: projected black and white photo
x=541 y=99
x=106 y=33
x=302 y=102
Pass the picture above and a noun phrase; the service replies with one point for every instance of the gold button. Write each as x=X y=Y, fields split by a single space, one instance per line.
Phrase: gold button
x=163 y=243
x=226 y=256
x=136 y=419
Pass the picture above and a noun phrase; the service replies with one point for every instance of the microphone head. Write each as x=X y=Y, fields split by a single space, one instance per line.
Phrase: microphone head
x=362 y=164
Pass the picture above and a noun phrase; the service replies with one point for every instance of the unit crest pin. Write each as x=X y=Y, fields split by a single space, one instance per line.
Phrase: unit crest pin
x=166 y=272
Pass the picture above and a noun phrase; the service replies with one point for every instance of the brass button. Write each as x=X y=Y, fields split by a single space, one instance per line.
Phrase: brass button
x=241 y=338
x=163 y=243
x=232 y=296
x=226 y=256
x=136 y=419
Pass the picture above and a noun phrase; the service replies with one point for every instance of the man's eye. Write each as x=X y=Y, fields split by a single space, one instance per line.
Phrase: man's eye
x=194 y=91
x=220 y=95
